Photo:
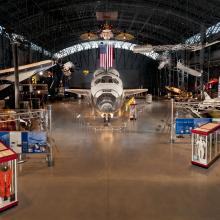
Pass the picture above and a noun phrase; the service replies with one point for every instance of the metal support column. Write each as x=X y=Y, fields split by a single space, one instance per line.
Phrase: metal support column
x=172 y=122
x=169 y=77
x=182 y=72
x=50 y=159
x=16 y=86
x=202 y=58
x=2 y=53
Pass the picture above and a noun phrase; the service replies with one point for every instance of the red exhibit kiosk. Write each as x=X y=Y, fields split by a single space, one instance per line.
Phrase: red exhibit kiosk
x=205 y=146
x=8 y=178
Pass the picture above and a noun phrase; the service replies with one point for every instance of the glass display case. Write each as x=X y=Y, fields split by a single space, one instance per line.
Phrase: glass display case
x=133 y=112
x=8 y=178
x=205 y=144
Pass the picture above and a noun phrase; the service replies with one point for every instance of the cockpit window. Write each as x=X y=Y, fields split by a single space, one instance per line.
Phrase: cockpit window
x=115 y=81
x=107 y=79
x=97 y=81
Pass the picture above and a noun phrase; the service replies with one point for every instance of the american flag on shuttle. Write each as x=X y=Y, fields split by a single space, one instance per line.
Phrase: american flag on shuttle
x=106 y=55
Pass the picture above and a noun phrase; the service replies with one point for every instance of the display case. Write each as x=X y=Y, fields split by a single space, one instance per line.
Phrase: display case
x=8 y=178
x=133 y=111
x=205 y=144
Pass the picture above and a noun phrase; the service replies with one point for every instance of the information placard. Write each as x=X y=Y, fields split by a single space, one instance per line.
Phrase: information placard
x=185 y=125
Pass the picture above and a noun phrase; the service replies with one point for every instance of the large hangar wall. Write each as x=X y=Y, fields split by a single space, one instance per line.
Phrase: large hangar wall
x=135 y=70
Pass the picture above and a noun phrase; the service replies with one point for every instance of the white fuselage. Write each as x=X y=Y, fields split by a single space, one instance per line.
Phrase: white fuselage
x=107 y=91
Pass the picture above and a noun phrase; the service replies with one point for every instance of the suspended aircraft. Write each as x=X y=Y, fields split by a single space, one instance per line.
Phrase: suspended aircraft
x=209 y=103
x=171 y=47
x=7 y=76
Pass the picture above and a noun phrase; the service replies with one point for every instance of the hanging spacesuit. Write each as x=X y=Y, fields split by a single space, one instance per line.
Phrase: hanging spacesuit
x=5 y=182
x=201 y=149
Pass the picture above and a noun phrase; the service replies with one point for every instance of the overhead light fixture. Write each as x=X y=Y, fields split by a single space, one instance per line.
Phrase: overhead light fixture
x=41 y=73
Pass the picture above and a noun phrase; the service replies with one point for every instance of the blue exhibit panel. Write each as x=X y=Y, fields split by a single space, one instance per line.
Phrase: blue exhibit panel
x=24 y=141
x=185 y=125
x=5 y=138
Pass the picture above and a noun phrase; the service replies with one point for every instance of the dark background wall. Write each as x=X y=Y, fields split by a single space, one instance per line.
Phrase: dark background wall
x=135 y=70
x=26 y=54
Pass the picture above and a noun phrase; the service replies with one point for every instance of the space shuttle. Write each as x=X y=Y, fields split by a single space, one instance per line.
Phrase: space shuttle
x=106 y=94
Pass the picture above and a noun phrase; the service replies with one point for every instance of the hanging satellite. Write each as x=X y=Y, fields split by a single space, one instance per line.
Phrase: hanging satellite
x=106 y=32
x=88 y=36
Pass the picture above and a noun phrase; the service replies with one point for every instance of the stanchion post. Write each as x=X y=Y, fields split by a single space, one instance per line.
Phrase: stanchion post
x=172 y=122
x=50 y=158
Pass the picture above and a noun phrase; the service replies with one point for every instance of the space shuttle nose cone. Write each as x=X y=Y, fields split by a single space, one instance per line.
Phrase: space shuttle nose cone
x=107 y=107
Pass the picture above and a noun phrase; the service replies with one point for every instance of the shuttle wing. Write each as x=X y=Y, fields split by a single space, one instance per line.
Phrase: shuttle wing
x=129 y=92
x=84 y=92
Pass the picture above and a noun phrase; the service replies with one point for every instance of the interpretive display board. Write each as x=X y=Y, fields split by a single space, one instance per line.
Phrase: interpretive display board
x=186 y=125
x=8 y=178
x=205 y=144
x=34 y=142
x=25 y=141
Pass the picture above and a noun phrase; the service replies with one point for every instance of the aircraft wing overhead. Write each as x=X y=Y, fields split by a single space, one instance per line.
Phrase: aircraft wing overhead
x=129 y=92
x=84 y=92
x=23 y=75
x=4 y=86
x=27 y=67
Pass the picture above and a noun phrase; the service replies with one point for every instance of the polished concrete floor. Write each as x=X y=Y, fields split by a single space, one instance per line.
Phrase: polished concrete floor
x=135 y=174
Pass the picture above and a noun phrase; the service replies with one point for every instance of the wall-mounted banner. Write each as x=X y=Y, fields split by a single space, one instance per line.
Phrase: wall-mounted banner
x=185 y=125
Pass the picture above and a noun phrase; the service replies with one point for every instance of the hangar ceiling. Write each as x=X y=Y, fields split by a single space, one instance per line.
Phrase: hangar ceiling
x=57 y=24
